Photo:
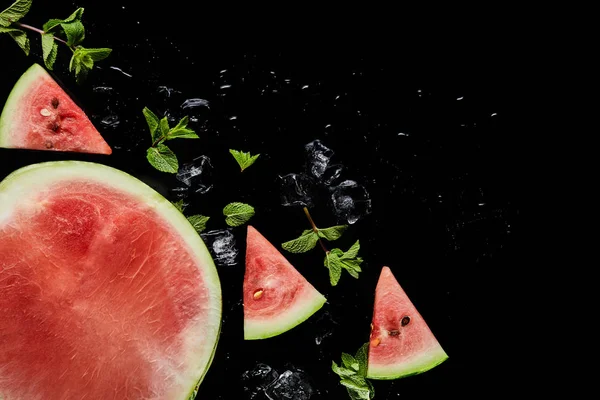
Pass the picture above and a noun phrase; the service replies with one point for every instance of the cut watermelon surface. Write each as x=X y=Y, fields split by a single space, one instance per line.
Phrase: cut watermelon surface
x=40 y=115
x=276 y=296
x=106 y=290
x=401 y=342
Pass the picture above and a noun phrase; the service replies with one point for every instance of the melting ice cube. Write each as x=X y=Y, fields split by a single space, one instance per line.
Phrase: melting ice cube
x=317 y=158
x=291 y=385
x=222 y=246
x=350 y=201
x=196 y=175
x=258 y=379
x=297 y=190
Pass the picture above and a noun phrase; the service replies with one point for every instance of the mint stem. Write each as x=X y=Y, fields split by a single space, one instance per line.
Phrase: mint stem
x=315 y=229
x=41 y=32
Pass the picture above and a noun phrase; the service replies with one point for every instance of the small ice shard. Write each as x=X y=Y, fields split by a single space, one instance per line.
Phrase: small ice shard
x=222 y=246
x=317 y=158
x=102 y=89
x=110 y=121
x=291 y=385
x=297 y=190
x=350 y=201
x=256 y=380
x=197 y=175
x=193 y=103
x=167 y=91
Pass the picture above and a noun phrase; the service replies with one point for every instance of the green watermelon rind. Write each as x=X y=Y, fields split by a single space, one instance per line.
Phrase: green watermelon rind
x=302 y=310
x=11 y=106
x=422 y=363
x=18 y=183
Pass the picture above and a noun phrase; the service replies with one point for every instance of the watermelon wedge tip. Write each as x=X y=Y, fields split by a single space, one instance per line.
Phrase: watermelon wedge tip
x=277 y=297
x=401 y=343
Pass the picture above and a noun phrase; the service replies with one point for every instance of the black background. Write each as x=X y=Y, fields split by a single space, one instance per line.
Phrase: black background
x=445 y=197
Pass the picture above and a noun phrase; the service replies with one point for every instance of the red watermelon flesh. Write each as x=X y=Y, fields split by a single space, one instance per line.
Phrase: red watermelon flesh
x=276 y=296
x=401 y=343
x=106 y=291
x=40 y=115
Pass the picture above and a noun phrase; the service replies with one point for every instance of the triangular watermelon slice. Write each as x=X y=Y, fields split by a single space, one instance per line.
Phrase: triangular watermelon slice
x=40 y=115
x=276 y=296
x=401 y=342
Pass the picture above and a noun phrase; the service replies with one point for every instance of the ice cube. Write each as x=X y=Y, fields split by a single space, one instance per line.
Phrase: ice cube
x=291 y=385
x=331 y=174
x=110 y=121
x=256 y=380
x=317 y=158
x=193 y=103
x=197 y=175
x=222 y=246
x=297 y=190
x=350 y=201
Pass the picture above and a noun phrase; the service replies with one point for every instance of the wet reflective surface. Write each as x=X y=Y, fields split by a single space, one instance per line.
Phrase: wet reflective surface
x=422 y=164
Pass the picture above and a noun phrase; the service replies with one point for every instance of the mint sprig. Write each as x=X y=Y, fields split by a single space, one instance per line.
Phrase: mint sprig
x=310 y=237
x=159 y=155
x=337 y=260
x=353 y=372
x=237 y=213
x=69 y=31
x=243 y=159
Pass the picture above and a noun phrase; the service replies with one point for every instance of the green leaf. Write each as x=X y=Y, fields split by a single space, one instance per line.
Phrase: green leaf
x=49 y=50
x=14 y=12
x=163 y=126
x=179 y=204
x=332 y=233
x=341 y=371
x=335 y=269
x=152 y=120
x=97 y=54
x=80 y=64
x=237 y=213
x=307 y=241
x=182 y=133
x=163 y=159
x=19 y=36
x=351 y=384
x=53 y=23
x=243 y=159
x=183 y=122
x=74 y=31
x=198 y=222
x=349 y=361
x=362 y=356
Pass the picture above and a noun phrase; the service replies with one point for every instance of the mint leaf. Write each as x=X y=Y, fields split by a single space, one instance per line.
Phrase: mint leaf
x=237 y=213
x=179 y=204
x=336 y=260
x=182 y=133
x=49 y=50
x=163 y=126
x=361 y=357
x=97 y=54
x=74 y=31
x=307 y=241
x=332 y=233
x=198 y=222
x=243 y=159
x=349 y=361
x=14 y=12
x=19 y=36
x=53 y=23
x=152 y=120
x=341 y=371
x=163 y=159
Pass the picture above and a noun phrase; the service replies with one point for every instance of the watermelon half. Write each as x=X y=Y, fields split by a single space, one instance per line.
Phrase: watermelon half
x=40 y=115
x=276 y=296
x=106 y=290
x=401 y=342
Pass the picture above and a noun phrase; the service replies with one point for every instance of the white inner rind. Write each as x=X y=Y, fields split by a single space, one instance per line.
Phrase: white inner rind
x=421 y=363
x=33 y=178
x=299 y=312
x=12 y=103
